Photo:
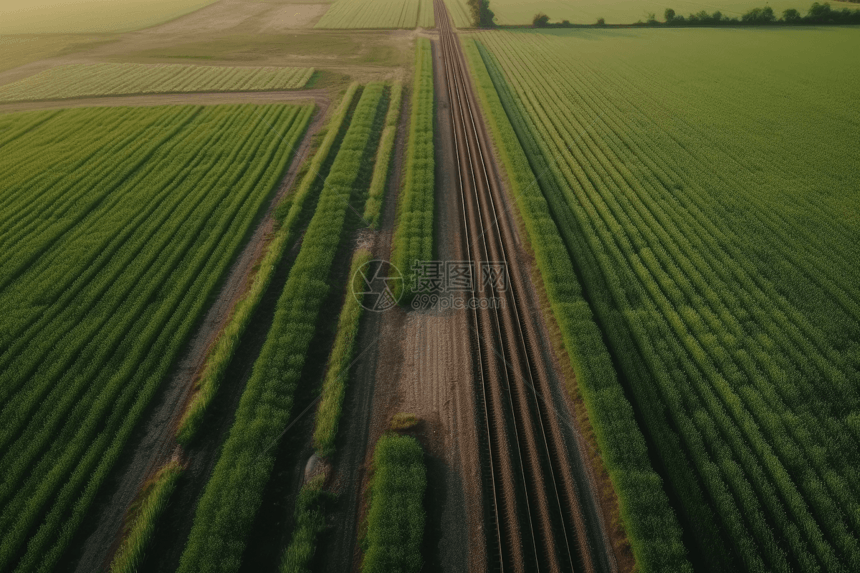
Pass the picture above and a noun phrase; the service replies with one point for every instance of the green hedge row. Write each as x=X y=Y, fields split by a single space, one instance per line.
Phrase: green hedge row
x=395 y=520
x=413 y=235
x=233 y=495
x=649 y=521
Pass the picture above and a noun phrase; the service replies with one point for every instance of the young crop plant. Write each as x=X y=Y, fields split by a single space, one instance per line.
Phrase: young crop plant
x=382 y=165
x=233 y=494
x=650 y=524
x=228 y=339
x=413 y=235
x=337 y=374
x=396 y=517
x=716 y=299
x=310 y=523
x=123 y=222
x=82 y=80
x=146 y=515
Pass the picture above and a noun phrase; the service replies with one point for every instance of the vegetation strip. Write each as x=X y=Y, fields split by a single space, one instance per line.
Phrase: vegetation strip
x=228 y=339
x=156 y=494
x=310 y=522
x=716 y=338
x=643 y=502
x=395 y=519
x=337 y=373
x=233 y=495
x=106 y=295
x=413 y=234
x=382 y=165
x=83 y=80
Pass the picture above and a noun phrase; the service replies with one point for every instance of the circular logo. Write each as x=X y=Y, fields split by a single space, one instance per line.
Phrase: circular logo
x=377 y=285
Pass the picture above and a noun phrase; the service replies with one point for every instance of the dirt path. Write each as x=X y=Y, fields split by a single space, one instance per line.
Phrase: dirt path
x=153 y=443
x=318 y=96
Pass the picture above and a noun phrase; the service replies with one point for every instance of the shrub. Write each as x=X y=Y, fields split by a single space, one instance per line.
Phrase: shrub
x=540 y=20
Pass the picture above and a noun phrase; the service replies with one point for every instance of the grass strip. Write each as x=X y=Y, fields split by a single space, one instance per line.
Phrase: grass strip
x=234 y=493
x=310 y=522
x=334 y=385
x=413 y=234
x=650 y=523
x=382 y=167
x=228 y=339
x=395 y=520
x=154 y=501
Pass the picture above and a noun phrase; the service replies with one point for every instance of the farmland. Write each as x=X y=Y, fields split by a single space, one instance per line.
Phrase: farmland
x=74 y=17
x=717 y=260
x=104 y=278
x=378 y=14
x=517 y=13
x=82 y=80
x=353 y=285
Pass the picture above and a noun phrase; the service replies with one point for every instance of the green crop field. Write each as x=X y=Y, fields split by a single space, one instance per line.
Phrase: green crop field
x=81 y=80
x=710 y=212
x=518 y=12
x=83 y=16
x=378 y=14
x=117 y=225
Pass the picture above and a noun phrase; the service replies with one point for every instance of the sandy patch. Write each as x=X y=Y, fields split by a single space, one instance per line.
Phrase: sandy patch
x=291 y=16
x=215 y=18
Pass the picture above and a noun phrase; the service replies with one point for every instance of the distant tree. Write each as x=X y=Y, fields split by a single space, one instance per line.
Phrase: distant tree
x=540 y=20
x=651 y=19
x=669 y=15
x=819 y=12
x=717 y=17
x=601 y=22
x=759 y=16
x=566 y=23
x=482 y=16
x=791 y=15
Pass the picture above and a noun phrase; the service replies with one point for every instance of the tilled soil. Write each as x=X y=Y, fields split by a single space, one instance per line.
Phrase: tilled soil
x=153 y=443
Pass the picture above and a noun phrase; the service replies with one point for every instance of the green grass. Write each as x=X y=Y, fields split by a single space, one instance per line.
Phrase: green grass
x=396 y=517
x=519 y=13
x=378 y=14
x=82 y=80
x=337 y=373
x=17 y=50
x=294 y=206
x=413 y=234
x=648 y=520
x=118 y=224
x=310 y=523
x=382 y=165
x=711 y=215
x=147 y=512
x=232 y=496
x=76 y=17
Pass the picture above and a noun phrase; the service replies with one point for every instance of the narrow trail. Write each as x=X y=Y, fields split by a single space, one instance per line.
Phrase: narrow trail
x=544 y=517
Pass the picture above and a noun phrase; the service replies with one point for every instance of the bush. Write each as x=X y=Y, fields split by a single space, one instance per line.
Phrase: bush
x=669 y=15
x=759 y=16
x=540 y=20
x=601 y=22
x=791 y=15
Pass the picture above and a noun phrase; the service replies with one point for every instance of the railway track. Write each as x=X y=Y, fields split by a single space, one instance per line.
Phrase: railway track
x=533 y=501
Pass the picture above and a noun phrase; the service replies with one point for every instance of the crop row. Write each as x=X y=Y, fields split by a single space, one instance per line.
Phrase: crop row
x=413 y=235
x=377 y=14
x=738 y=383
x=225 y=345
x=310 y=523
x=648 y=519
x=234 y=492
x=81 y=80
x=139 y=214
x=382 y=165
x=395 y=518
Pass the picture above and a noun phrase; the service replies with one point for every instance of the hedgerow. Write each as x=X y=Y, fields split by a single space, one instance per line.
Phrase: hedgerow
x=413 y=234
x=233 y=494
x=395 y=518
